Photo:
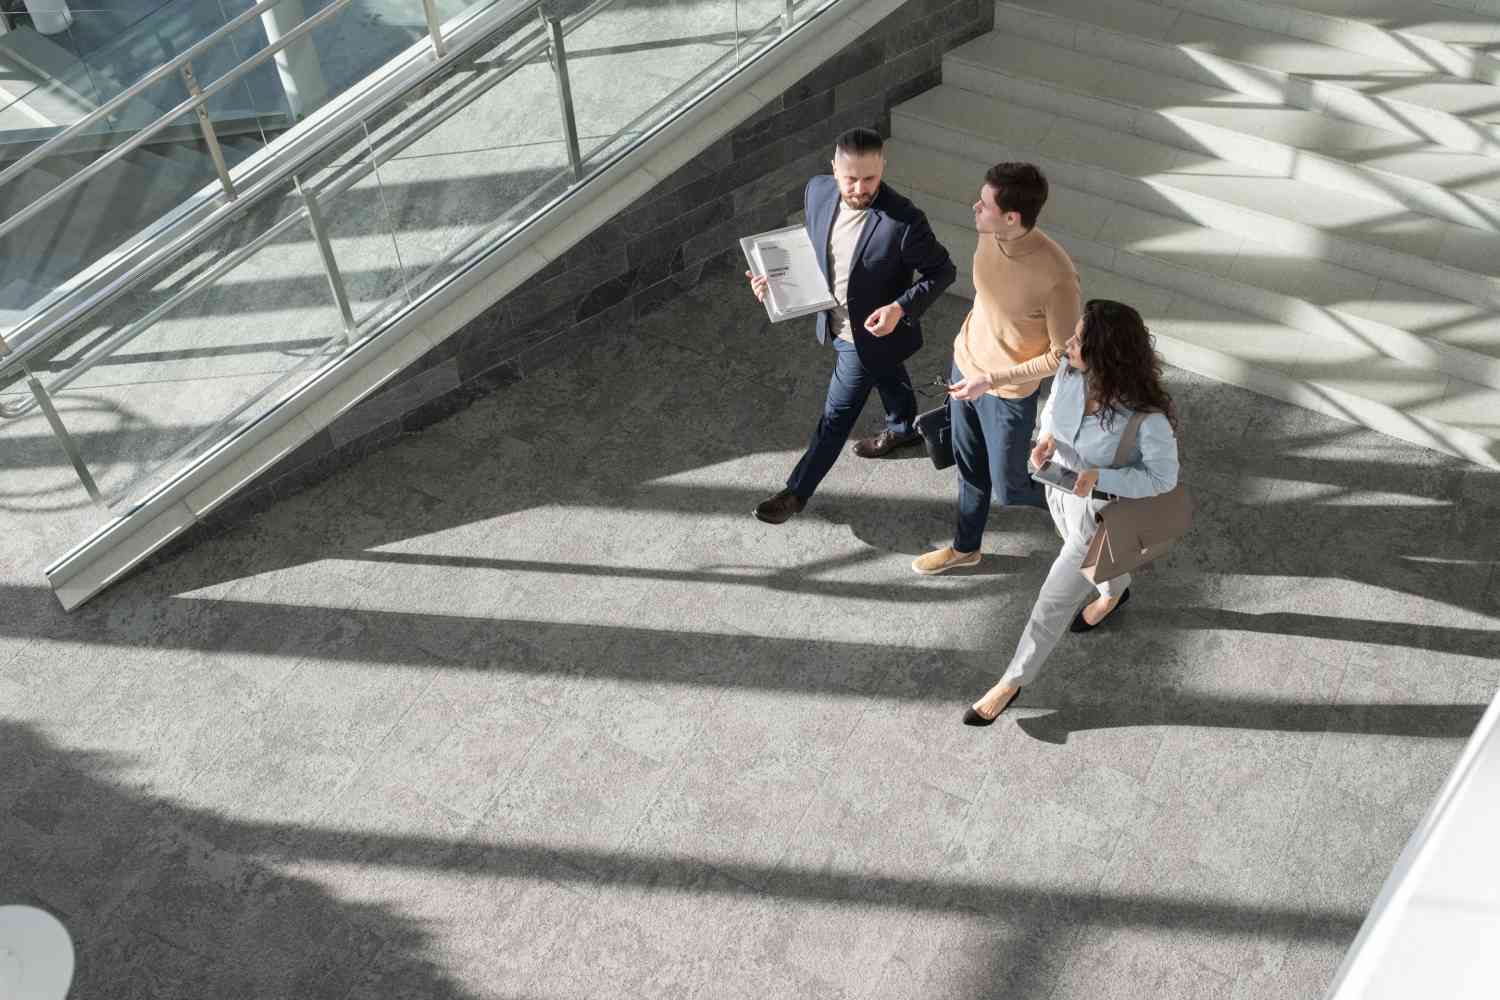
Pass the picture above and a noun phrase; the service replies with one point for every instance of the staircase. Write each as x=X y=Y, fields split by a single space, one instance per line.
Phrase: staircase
x=1303 y=201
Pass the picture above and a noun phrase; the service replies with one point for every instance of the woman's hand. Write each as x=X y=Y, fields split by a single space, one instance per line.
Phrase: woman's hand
x=970 y=388
x=1086 y=482
x=1044 y=449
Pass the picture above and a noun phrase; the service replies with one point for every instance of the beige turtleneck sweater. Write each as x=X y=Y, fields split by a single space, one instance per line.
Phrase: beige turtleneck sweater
x=1027 y=302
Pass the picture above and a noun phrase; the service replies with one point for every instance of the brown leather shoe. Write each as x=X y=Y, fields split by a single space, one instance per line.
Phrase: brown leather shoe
x=884 y=443
x=943 y=560
x=779 y=509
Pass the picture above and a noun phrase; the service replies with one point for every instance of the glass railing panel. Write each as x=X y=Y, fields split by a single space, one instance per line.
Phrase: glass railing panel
x=470 y=157
x=37 y=475
x=658 y=47
x=91 y=219
x=212 y=341
x=672 y=52
x=119 y=46
x=361 y=41
x=217 y=338
x=43 y=83
x=192 y=355
x=107 y=197
x=355 y=219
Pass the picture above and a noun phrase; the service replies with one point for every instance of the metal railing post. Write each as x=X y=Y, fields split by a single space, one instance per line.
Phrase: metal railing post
x=64 y=437
x=330 y=265
x=434 y=28
x=209 y=135
x=789 y=15
x=559 y=54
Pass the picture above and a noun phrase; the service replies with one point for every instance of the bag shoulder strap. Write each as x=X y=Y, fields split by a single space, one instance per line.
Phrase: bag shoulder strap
x=1127 y=439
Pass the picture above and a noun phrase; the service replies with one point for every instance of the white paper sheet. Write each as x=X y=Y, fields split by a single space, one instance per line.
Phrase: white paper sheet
x=788 y=259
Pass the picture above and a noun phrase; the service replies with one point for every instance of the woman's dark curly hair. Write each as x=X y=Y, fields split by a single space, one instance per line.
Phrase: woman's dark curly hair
x=1124 y=372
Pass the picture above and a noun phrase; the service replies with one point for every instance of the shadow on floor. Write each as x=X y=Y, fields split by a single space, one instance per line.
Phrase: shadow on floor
x=166 y=905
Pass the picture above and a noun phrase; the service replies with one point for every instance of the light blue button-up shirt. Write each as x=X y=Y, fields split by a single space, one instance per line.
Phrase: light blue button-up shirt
x=1083 y=444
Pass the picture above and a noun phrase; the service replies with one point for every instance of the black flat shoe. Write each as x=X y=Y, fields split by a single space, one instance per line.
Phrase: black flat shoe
x=973 y=718
x=1079 y=625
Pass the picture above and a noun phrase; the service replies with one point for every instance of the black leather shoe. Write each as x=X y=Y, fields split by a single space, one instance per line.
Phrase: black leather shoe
x=884 y=443
x=973 y=718
x=1079 y=625
x=779 y=509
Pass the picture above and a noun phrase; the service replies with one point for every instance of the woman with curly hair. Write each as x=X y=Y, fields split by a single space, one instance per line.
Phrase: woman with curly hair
x=1111 y=371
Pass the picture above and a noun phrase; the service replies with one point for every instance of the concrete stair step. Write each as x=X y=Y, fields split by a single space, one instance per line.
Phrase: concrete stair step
x=1408 y=402
x=1270 y=136
x=1294 y=216
x=1343 y=313
x=1452 y=111
x=1461 y=41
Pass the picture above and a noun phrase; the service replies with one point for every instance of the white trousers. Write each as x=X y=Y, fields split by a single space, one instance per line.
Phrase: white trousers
x=1065 y=589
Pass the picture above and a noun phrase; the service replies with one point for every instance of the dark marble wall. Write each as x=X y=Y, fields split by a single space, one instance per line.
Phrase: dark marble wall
x=652 y=251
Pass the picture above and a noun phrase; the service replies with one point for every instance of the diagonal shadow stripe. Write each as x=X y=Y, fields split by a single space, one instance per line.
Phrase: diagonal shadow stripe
x=1450 y=722
x=1479 y=642
x=794 y=579
x=680 y=873
x=507 y=647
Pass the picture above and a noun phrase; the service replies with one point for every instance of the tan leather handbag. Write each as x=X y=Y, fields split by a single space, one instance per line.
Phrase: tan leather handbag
x=1134 y=531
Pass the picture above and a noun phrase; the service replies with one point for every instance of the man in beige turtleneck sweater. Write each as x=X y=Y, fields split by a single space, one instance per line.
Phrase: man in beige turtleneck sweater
x=1027 y=302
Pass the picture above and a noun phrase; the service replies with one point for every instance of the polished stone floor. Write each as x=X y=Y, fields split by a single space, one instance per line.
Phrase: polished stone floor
x=528 y=706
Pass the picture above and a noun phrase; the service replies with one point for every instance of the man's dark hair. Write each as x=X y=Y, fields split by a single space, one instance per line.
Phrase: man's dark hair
x=858 y=142
x=1019 y=187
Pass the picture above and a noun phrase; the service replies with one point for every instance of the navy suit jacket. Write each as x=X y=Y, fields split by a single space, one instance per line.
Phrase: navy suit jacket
x=895 y=242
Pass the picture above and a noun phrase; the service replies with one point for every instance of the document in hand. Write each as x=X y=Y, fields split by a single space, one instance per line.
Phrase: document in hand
x=796 y=283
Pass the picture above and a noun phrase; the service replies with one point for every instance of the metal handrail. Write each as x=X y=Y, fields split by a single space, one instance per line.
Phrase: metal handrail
x=193 y=103
x=346 y=180
x=158 y=74
x=118 y=339
x=379 y=322
x=33 y=332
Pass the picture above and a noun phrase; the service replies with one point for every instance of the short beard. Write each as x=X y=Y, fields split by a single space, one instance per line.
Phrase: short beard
x=866 y=201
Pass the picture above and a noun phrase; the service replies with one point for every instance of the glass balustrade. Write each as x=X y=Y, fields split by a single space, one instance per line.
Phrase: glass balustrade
x=214 y=338
x=106 y=59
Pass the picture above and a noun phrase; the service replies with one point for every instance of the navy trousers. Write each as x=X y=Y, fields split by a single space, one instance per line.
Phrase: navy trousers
x=847 y=392
x=991 y=440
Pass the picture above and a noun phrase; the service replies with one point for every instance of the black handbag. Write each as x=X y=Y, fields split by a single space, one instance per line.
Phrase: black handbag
x=936 y=428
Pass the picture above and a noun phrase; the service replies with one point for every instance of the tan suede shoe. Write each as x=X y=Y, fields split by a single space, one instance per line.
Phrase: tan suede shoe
x=943 y=560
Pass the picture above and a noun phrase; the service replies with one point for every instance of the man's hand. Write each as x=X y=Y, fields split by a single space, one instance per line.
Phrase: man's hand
x=970 y=388
x=758 y=284
x=1086 y=483
x=1045 y=447
x=883 y=320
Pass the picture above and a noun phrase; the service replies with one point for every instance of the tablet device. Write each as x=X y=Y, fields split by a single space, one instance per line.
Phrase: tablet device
x=1055 y=475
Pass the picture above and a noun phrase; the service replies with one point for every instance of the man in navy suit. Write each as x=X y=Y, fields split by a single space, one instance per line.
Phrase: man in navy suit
x=872 y=240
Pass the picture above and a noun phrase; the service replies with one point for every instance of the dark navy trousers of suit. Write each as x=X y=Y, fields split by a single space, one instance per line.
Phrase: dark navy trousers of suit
x=991 y=441
x=847 y=392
